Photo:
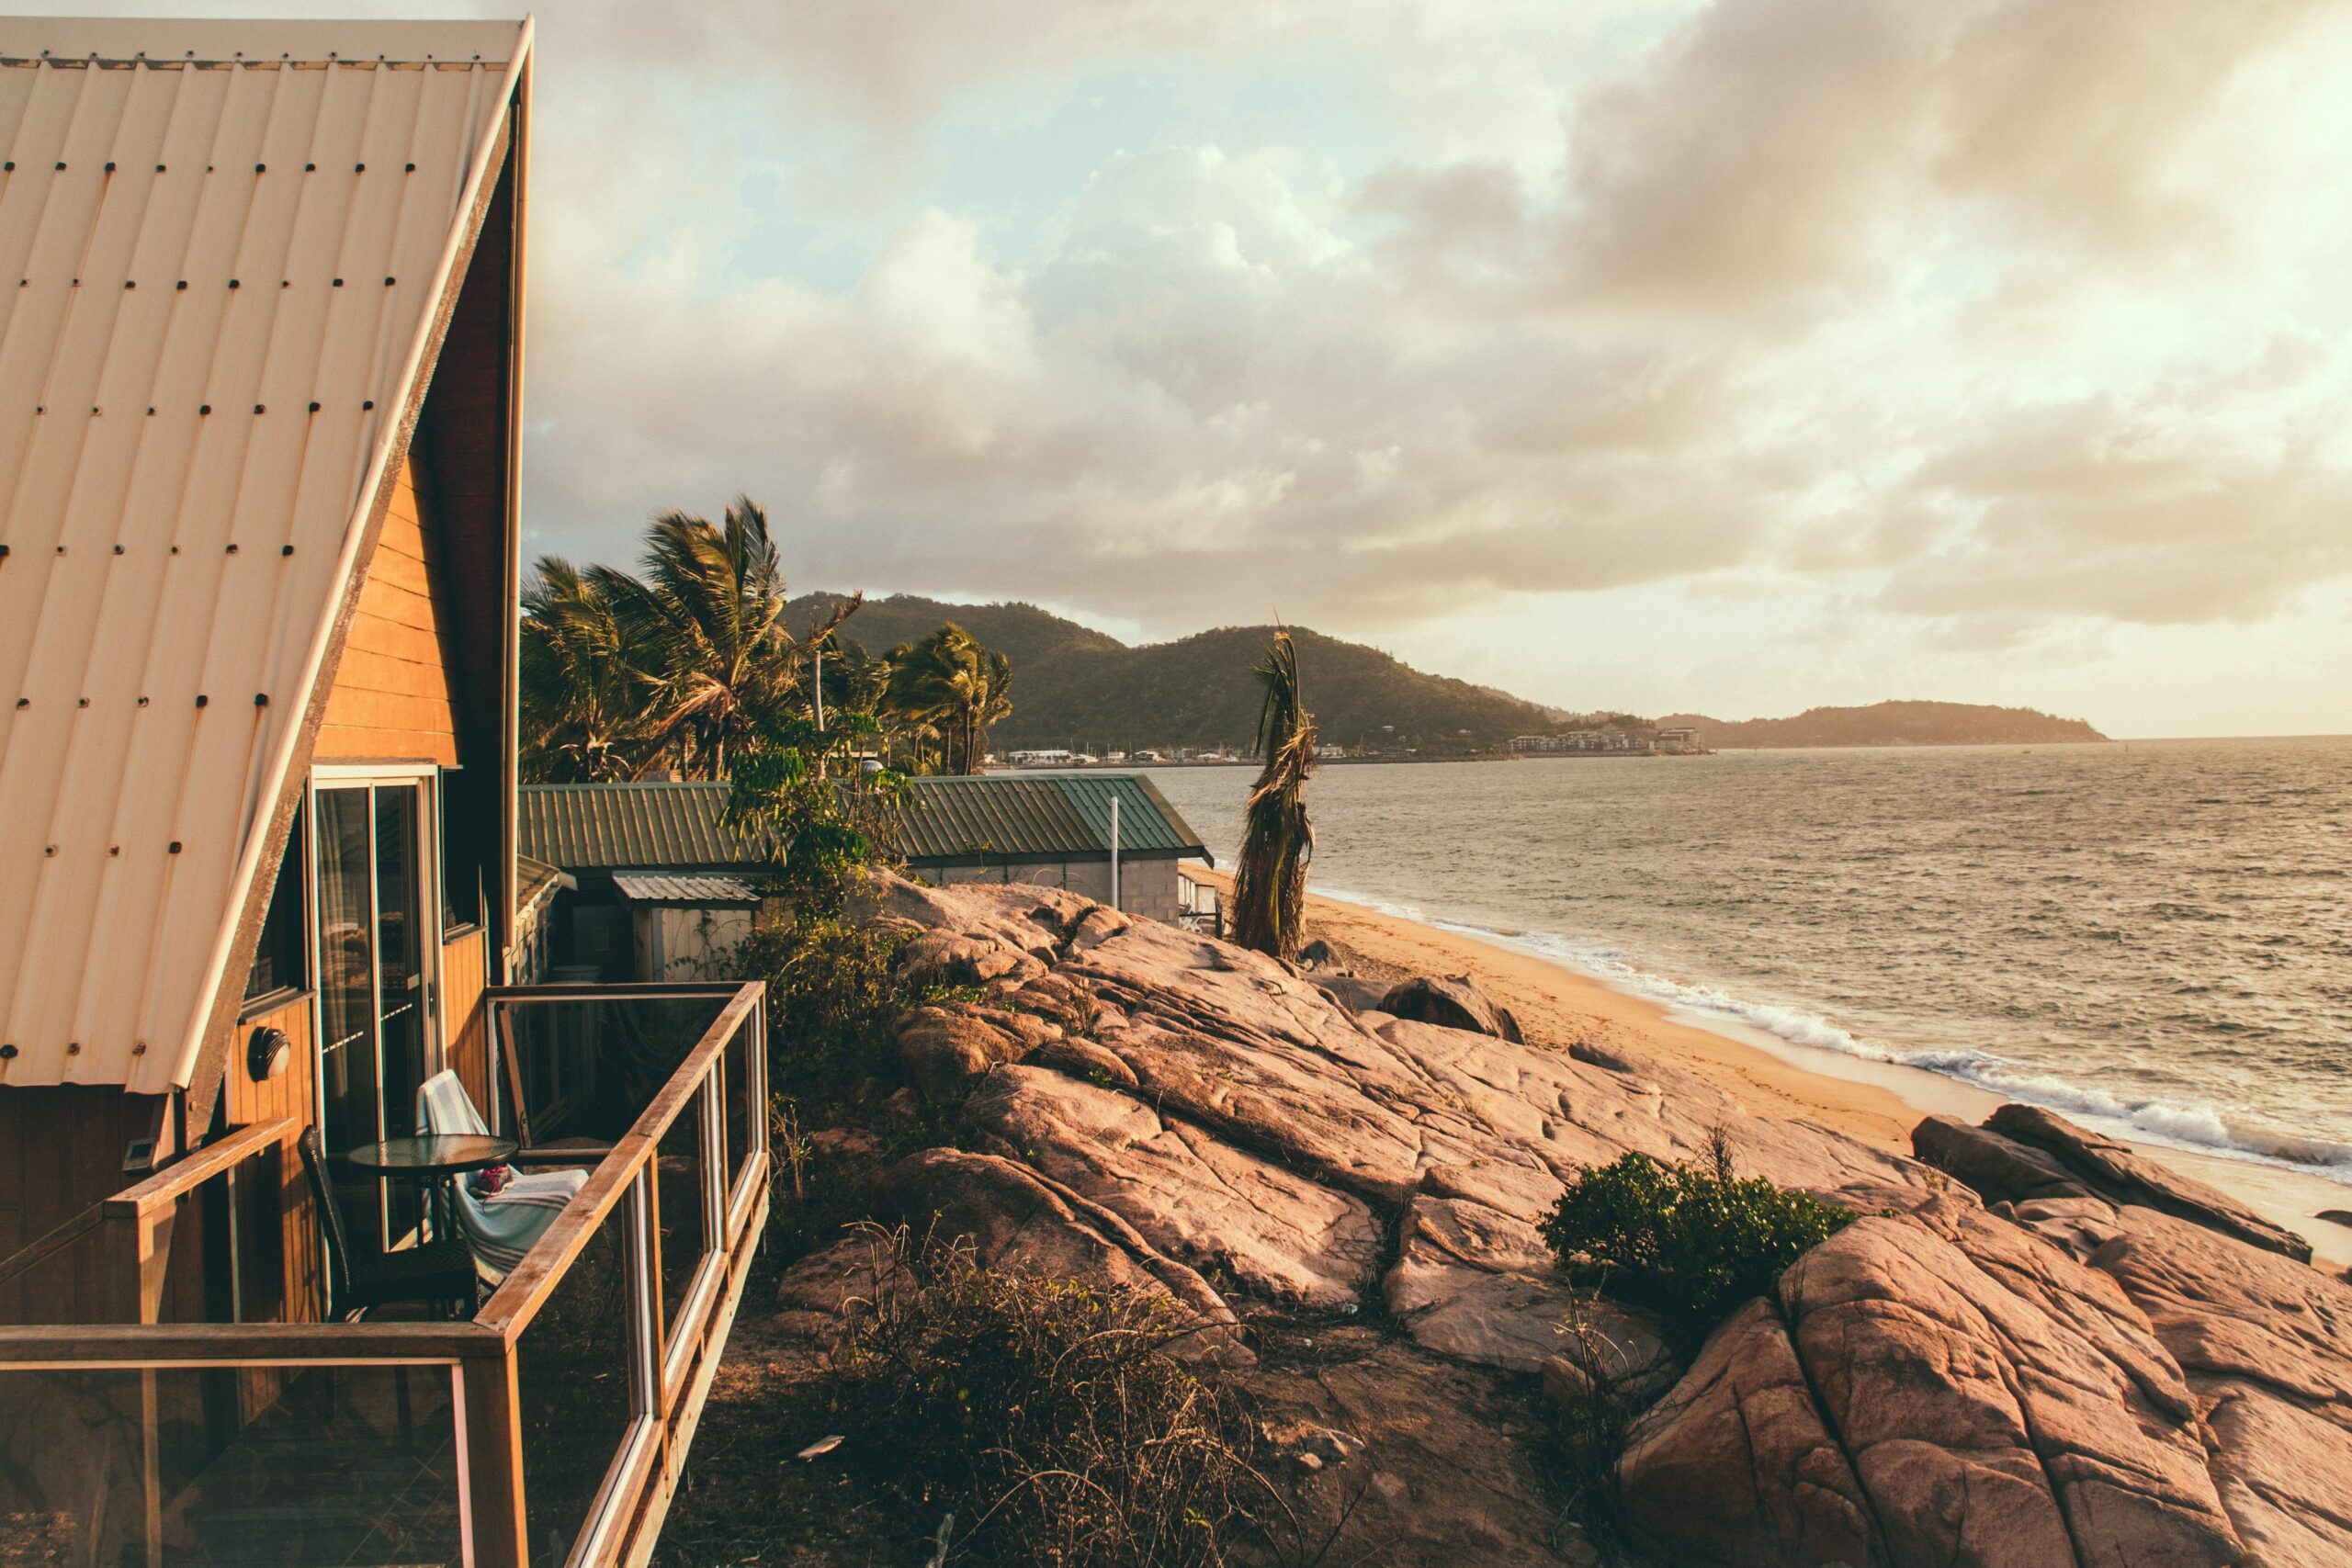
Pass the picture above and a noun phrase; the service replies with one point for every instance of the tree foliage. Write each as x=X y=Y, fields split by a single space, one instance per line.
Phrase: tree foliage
x=686 y=665
x=948 y=690
x=1278 y=839
x=804 y=792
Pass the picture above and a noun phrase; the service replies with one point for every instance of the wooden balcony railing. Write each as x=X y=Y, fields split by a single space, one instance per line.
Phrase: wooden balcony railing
x=549 y=1430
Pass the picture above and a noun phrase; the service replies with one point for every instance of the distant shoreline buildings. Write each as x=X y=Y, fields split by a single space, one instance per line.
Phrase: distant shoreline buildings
x=1666 y=742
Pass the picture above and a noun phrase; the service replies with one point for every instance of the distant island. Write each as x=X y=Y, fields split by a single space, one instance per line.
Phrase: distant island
x=1083 y=690
x=1891 y=723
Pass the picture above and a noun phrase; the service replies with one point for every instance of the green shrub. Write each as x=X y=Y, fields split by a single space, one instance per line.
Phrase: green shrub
x=1049 y=1418
x=832 y=999
x=1687 y=1243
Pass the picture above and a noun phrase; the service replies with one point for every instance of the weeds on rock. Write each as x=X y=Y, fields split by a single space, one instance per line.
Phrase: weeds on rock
x=1588 y=1420
x=1054 y=1420
x=1690 y=1244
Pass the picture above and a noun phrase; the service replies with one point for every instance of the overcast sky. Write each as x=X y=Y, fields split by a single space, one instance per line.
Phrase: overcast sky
x=1735 y=356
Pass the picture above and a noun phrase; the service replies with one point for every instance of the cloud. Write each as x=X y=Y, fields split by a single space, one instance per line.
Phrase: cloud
x=1974 y=319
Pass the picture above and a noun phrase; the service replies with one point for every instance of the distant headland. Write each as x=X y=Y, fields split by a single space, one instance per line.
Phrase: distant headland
x=1891 y=723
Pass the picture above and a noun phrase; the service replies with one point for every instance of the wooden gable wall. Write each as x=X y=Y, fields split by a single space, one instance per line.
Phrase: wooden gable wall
x=392 y=699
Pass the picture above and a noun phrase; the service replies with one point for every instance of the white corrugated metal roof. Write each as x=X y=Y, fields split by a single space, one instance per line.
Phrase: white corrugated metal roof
x=665 y=887
x=230 y=238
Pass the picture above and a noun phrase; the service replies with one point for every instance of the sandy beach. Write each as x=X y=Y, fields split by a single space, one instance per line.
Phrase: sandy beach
x=1878 y=1102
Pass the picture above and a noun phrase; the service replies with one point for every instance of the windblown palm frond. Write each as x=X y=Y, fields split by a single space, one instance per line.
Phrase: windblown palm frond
x=946 y=689
x=586 y=704
x=1278 y=839
x=707 y=620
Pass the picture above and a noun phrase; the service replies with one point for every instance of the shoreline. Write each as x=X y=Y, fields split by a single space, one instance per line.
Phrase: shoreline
x=1878 y=1102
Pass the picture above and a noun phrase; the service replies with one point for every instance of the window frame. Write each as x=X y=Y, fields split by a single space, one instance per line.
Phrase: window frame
x=285 y=927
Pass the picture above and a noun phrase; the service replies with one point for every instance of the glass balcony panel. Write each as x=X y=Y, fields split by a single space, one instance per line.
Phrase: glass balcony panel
x=231 y=1467
x=683 y=1240
x=735 y=1123
x=572 y=1385
x=586 y=1068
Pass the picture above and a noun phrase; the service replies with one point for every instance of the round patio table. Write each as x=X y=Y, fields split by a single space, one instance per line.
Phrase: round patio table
x=432 y=1161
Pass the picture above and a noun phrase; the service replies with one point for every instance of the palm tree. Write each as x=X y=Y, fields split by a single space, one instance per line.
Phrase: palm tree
x=707 y=621
x=1269 y=880
x=946 y=689
x=586 y=704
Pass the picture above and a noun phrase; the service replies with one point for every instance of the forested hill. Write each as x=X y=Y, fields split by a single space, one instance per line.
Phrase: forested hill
x=1077 y=687
x=1893 y=724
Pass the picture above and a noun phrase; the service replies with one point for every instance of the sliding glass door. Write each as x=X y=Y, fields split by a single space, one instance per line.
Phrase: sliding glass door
x=378 y=1037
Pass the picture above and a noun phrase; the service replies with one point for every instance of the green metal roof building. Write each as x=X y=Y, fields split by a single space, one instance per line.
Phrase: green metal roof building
x=1052 y=829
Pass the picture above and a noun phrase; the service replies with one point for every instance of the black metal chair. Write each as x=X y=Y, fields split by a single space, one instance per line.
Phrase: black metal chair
x=437 y=1274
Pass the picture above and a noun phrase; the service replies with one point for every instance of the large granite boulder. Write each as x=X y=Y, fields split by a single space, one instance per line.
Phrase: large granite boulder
x=2121 y=1175
x=1451 y=1001
x=1230 y=1214
x=1736 y=1465
x=1995 y=1401
x=947 y=1049
x=2267 y=1346
x=1996 y=1169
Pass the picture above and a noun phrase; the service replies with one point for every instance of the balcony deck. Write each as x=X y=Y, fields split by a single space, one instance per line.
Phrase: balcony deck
x=548 y=1430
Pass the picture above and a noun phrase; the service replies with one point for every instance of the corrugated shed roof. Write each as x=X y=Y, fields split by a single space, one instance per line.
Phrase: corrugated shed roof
x=1145 y=819
x=1054 y=814
x=601 y=827
x=231 y=239
x=535 y=880
x=665 y=888
x=669 y=826
x=947 y=817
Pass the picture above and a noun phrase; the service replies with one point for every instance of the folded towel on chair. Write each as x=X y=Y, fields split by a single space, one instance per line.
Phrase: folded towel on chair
x=500 y=1226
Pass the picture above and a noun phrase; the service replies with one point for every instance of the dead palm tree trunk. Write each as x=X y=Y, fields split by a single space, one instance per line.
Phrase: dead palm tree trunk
x=1269 y=879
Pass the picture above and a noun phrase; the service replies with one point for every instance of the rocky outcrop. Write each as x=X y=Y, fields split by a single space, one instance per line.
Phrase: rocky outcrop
x=1012 y=1218
x=944 y=1050
x=2111 y=1365
x=1451 y=1001
x=2024 y=1153
x=1237 y=1218
x=1737 y=1466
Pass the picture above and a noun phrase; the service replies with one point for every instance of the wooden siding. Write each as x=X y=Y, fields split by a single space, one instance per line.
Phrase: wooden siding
x=392 y=695
x=60 y=1151
x=465 y=971
x=284 y=1280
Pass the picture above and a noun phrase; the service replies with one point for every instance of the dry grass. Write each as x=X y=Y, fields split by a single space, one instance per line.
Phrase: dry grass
x=1056 y=1423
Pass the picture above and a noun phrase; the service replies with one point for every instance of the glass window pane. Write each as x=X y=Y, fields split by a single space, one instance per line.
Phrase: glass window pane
x=399 y=933
x=347 y=967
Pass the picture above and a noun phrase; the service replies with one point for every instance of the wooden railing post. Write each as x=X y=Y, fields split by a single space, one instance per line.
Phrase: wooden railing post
x=138 y=1250
x=493 y=1479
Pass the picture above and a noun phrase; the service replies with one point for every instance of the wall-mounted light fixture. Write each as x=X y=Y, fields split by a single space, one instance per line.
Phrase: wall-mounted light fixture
x=267 y=1050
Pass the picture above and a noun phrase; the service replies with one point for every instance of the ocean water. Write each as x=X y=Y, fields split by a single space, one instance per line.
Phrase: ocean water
x=2155 y=937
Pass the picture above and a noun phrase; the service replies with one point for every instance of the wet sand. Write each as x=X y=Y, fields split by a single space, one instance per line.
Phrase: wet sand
x=1876 y=1101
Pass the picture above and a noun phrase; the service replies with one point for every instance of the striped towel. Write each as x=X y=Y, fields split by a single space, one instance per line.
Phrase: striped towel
x=499 y=1228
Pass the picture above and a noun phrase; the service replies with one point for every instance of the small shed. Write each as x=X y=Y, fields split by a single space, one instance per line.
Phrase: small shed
x=659 y=885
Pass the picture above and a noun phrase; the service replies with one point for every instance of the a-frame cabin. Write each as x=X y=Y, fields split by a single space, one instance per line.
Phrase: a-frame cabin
x=260 y=400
